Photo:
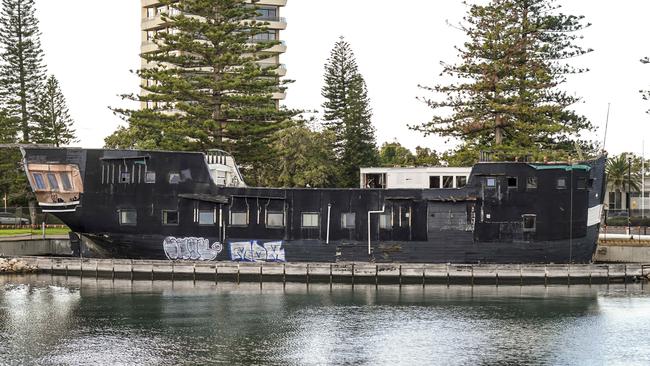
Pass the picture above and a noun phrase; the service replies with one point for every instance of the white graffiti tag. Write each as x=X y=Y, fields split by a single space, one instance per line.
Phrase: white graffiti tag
x=191 y=248
x=251 y=251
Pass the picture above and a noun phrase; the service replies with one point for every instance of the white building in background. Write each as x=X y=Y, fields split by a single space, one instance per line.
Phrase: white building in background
x=419 y=178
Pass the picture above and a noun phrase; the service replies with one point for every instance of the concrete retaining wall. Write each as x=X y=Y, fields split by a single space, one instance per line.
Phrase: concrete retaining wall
x=36 y=247
x=351 y=273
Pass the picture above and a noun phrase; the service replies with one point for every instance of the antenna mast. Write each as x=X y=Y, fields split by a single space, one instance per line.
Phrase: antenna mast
x=606 y=125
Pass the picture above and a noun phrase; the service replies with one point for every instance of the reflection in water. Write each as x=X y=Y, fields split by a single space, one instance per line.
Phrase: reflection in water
x=46 y=320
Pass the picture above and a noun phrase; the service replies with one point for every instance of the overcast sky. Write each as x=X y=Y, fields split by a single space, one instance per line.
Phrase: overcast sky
x=91 y=46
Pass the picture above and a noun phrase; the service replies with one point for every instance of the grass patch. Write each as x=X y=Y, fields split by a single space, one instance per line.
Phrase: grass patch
x=28 y=231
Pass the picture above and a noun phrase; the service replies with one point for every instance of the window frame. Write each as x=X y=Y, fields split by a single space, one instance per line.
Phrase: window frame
x=451 y=181
x=52 y=181
x=121 y=218
x=514 y=180
x=530 y=186
x=43 y=185
x=344 y=223
x=458 y=181
x=230 y=220
x=266 y=221
x=165 y=218
x=147 y=176
x=211 y=212
x=557 y=183
x=389 y=225
x=66 y=182
x=490 y=179
x=174 y=181
x=302 y=220
x=523 y=223
x=435 y=179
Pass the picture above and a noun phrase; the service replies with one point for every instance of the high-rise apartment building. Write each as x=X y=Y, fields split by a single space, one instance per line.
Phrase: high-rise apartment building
x=269 y=11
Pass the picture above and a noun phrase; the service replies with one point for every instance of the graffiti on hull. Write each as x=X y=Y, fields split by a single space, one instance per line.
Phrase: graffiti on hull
x=252 y=251
x=191 y=249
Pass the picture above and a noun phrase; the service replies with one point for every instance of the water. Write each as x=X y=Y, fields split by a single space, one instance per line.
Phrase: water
x=46 y=320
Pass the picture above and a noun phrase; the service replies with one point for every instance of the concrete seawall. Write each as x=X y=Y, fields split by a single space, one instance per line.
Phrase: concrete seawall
x=34 y=247
x=350 y=273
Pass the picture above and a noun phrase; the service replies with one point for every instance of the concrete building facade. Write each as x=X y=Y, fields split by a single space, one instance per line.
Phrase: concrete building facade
x=269 y=12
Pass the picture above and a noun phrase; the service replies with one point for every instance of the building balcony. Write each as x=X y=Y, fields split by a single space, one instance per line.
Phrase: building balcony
x=278 y=23
x=279 y=96
x=280 y=71
x=152 y=23
x=148 y=46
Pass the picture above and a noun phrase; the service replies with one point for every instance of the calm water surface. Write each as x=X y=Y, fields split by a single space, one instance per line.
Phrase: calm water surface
x=46 y=320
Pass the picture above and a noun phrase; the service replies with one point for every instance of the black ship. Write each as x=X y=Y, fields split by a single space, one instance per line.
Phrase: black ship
x=195 y=206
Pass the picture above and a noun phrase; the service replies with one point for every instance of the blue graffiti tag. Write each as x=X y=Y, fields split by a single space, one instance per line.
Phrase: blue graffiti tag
x=252 y=251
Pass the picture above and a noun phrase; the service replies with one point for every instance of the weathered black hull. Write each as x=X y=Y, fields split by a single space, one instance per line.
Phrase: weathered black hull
x=483 y=222
x=456 y=251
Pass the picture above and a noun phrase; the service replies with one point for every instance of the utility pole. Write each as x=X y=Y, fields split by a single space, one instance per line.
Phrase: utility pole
x=642 y=178
x=627 y=196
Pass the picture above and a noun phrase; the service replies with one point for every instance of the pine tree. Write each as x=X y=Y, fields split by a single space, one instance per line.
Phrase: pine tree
x=22 y=72
x=52 y=116
x=205 y=88
x=507 y=98
x=347 y=113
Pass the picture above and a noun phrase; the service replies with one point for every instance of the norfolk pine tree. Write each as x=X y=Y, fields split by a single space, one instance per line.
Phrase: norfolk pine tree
x=348 y=114
x=52 y=116
x=506 y=98
x=205 y=89
x=22 y=72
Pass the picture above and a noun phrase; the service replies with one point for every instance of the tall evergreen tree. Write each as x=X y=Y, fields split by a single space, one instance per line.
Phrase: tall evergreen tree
x=22 y=72
x=52 y=116
x=507 y=98
x=347 y=113
x=205 y=88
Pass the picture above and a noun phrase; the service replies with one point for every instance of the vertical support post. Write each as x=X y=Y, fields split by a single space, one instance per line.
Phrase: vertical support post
x=400 y=275
x=216 y=273
x=472 y=269
x=496 y=274
x=625 y=274
x=96 y=269
x=376 y=275
x=261 y=273
x=331 y=275
x=308 y=273
x=545 y=276
x=172 y=272
x=284 y=273
x=131 y=270
x=238 y=273
x=352 y=274
x=194 y=273
x=424 y=275
x=113 y=270
x=447 y=267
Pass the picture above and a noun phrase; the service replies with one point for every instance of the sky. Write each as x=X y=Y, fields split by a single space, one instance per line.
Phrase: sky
x=91 y=46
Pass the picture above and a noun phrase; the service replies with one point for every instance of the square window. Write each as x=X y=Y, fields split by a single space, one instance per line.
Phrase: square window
x=385 y=221
x=39 y=181
x=275 y=219
x=128 y=217
x=529 y=223
x=238 y=219
x=561 y=183
x=581 y=183
x=150 y=177
x=51 y=179
x=170 y=217
x=310 y=220
x=125 y=177
x=206 y=217
x=512 y=182
x=447 y=182
x=531 y=183
x=491 y=182
x=348 y=220
x=174 y=178
x=434 y=182
x=65 y=181
x=461 y=181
